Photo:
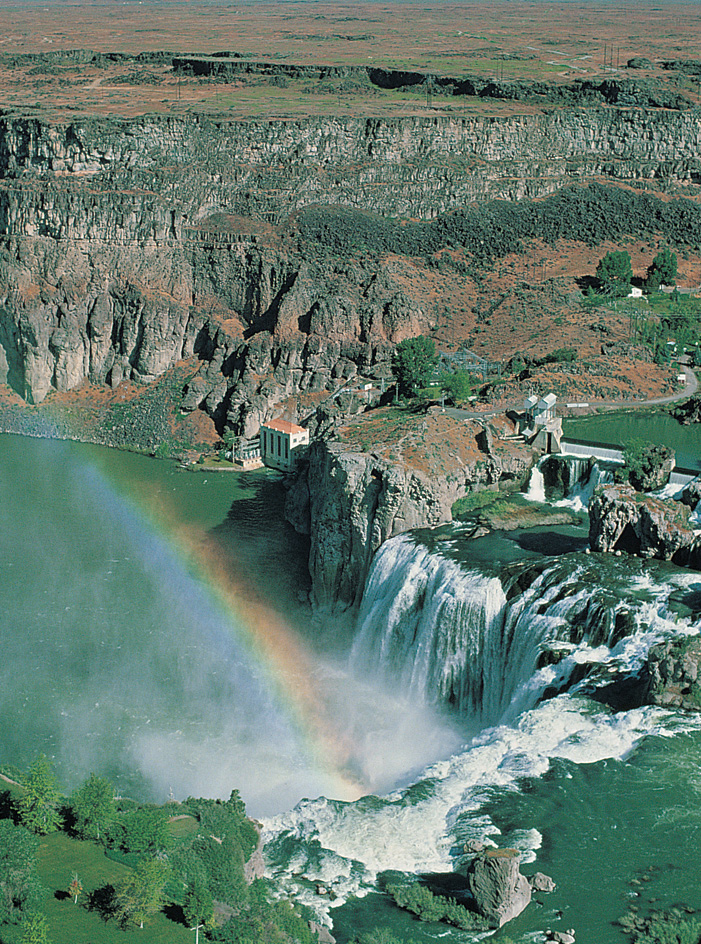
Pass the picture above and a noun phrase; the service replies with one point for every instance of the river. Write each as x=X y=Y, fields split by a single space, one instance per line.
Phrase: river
x=155 y=631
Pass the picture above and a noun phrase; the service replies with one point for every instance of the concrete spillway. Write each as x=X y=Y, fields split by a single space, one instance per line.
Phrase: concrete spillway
x=680 y=476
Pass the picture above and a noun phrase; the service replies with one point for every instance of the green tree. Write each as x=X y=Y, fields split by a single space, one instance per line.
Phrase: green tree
x=413 y=363
x=141 y=893
x=19 y=886
x=93 y=807
x=662 y=270
x=198 y=906
x=457 y=386
x=35 y=929
x=38 y=806
x=615 y=272
x=145 y=830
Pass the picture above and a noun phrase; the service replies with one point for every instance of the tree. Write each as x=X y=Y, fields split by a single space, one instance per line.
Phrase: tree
x=145 y=830
x=93 y=807
x=198 y=907
x=615 y=272
x=141 y=893
x=35 y=929
x=38 y=806
x=19 y=886
x=413 y=362
x=457 y=386
x=662 y=270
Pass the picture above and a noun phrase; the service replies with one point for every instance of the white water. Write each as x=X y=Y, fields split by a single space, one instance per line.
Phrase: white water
x=441 y=632
x=586 y=478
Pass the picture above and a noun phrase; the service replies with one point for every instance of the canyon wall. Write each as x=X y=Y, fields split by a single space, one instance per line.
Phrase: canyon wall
x=127 y=245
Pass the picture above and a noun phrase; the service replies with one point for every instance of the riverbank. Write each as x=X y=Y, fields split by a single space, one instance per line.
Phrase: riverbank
x=142 y=419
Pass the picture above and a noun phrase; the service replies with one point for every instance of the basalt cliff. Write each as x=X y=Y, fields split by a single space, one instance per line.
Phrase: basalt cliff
x=129 y=245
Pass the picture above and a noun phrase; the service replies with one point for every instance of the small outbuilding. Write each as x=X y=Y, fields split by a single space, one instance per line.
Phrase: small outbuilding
x=540 y=425
x=281 y=444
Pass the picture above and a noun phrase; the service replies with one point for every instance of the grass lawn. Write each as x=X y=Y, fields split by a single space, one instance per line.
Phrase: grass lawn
x=58 y=859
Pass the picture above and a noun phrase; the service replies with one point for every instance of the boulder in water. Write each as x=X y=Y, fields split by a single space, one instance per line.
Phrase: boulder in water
x=691 y=493
x=495 y=882
x=674 y=673
x=540 y=882
x=621 y=519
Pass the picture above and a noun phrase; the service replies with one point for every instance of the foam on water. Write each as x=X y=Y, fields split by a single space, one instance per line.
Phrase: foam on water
x=418 y=828
x=345 y=846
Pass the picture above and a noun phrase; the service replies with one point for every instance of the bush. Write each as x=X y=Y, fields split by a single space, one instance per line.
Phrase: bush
x=457 y=386
x=429 y=907
x=671 y=927
x=563 y=355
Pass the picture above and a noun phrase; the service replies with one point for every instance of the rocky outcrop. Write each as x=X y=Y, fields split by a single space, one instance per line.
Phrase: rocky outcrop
x=688 y=412
x=650 y=467
x=691 y=493
x=621 y=519
x=129 y=245
x=495 y=882
x=254 y=867
x=351 y=502
x=674 y=674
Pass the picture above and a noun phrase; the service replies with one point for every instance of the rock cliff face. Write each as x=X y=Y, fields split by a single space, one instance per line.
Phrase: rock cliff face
x=621 y=519
x=350 y=503
x=126 y=246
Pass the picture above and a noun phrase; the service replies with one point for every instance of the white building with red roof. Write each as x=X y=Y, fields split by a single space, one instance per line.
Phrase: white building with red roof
x=281 y=444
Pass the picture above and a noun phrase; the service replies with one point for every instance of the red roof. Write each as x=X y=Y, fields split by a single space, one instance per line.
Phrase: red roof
x=283 y=426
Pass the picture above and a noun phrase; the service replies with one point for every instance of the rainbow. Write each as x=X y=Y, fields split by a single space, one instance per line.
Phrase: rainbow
x=272 y=644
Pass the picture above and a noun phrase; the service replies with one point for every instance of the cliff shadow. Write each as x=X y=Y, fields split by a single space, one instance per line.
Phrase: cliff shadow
x=264 y=553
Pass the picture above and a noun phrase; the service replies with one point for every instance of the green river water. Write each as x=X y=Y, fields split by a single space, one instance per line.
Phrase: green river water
x=120 y=657
x=656 y=426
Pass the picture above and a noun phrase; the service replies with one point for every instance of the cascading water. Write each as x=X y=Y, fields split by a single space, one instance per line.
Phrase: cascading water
x=447 y=635
x=512 y=654
x=433 y=628
x=577 y=479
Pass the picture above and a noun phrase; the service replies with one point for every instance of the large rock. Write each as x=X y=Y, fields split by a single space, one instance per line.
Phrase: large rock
x=674 y=674
x=691 y=493
x=651 y=468
x=621 y=519
x=495 y=882
x=689 y=411
x=351 y=502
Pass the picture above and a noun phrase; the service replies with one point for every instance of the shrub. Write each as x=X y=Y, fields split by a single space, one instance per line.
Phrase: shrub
x=457 y=386
x=422 y=902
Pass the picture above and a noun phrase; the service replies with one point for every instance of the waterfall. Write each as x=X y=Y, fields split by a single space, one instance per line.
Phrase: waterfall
x=433 y=628
x=536 y=486
x=489 y=647
x=576 y=479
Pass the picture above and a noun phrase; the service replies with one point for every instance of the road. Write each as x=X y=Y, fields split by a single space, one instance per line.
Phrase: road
x=690 y=388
